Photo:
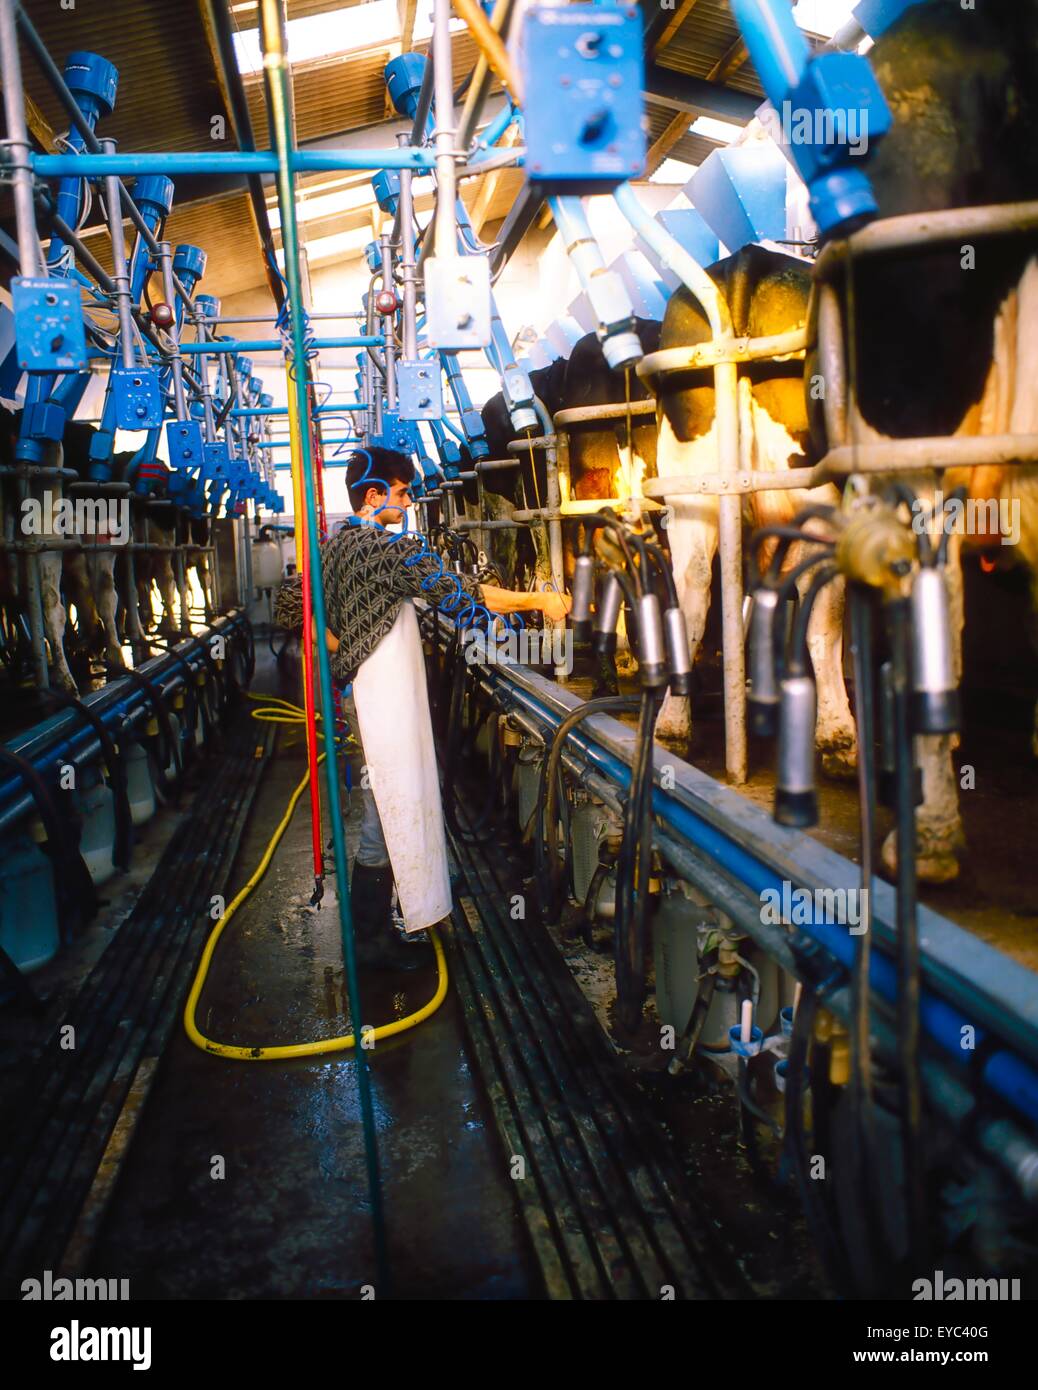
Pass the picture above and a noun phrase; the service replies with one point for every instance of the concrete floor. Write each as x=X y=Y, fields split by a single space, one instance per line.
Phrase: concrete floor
x=290 y=1218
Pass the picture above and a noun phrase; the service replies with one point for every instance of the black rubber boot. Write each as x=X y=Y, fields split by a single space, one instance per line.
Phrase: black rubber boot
x=371 y=896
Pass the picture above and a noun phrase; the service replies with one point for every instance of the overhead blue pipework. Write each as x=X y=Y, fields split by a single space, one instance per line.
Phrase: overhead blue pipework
x=824 y=104
x=93 y=82
x=404 y=76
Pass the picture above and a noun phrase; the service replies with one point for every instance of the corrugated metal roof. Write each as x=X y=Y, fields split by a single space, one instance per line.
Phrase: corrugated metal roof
x=246 y=16
x=168 y=91
x=702 y=40
x=706 y=35
x=344 y=92
x=690 y=149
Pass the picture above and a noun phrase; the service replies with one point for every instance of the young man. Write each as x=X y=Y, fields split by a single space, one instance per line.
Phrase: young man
x=370 y=577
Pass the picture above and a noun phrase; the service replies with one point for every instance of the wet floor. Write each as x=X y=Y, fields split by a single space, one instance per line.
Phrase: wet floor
x=247 y=1180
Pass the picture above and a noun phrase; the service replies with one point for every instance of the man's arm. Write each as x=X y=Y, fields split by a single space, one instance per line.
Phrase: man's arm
x=423 y=578
x=552 y=605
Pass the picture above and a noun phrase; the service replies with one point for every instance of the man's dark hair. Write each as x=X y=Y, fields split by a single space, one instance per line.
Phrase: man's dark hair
x=376 y=465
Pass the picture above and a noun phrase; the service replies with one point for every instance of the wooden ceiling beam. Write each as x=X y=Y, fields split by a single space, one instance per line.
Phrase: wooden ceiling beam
x=682 y=11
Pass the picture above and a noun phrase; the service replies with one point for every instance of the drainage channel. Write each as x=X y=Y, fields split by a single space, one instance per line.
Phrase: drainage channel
x=77 y=1107
x=605 y=1204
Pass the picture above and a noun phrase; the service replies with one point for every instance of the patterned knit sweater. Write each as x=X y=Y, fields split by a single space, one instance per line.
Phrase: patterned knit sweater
x=365 y=581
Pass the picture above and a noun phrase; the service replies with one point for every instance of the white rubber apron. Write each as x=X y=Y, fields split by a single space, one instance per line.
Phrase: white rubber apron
x=395 y=728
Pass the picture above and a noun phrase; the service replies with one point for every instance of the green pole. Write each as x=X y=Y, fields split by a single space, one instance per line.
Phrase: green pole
x=276 y=74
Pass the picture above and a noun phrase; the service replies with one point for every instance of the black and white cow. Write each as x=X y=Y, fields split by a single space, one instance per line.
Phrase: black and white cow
x=947 y=334
x=767 y=293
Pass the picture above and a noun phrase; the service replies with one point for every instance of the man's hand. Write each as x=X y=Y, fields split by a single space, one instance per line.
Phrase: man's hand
x=554 y=606
x=330 y=639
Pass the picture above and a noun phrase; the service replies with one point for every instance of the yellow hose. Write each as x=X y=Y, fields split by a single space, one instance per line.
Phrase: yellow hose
x=277 y=711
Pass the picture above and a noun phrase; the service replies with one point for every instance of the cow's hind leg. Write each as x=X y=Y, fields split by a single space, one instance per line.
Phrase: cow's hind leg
x=54 y=617
x=102 y=575
x=834 y=730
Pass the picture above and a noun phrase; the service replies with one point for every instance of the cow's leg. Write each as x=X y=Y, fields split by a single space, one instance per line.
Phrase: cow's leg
x=835 y=734
x=180 y=572
x=54 y=617
x=79 y=592
x=162 y=561
x=167 y=592
x=102 y=575
x=692 y=534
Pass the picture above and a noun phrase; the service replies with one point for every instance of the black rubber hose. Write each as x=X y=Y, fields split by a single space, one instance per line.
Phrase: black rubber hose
x=482 y=828
x=785 y=592
x=587 y=924
x=201 y=645
x=799 y=663
x=750 y=1116
x=167 y=745
x=633 y=872
x=825 y=1238
x=73 y=886
x=546 y=832
x=193 y=705
x=115 y=766
x=865 y=719
x=908 y=965
x=689 y=1040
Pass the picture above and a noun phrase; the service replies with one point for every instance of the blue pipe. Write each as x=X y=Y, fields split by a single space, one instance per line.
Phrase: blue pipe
x=1008 y=1074
x=839 y=84
x=204 y=162
x=286 y=443
x=230 y=345
x=328 y=463
x=494 y=131
x=471 y=420
x=239 y=412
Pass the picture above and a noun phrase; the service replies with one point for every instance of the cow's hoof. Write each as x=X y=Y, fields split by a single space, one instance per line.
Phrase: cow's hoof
x=840 y=759
x=937 y=854
x=674 y=727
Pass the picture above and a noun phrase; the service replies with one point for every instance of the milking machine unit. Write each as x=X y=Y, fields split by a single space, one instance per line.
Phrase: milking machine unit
x=894 y=572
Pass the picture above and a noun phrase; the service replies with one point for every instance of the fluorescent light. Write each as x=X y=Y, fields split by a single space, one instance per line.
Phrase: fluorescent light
x=823 y=17
x=724 y=132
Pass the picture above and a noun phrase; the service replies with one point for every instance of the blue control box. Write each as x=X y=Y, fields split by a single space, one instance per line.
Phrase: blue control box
x=419 y=390
x=137 y=393
x=48 y=325
x=217 y=460
x=583 y=74
x=184 y=443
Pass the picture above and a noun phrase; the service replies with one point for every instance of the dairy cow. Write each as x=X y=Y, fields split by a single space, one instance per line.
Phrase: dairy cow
x=767 y=293
x=607 y=459
x=947 y=334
